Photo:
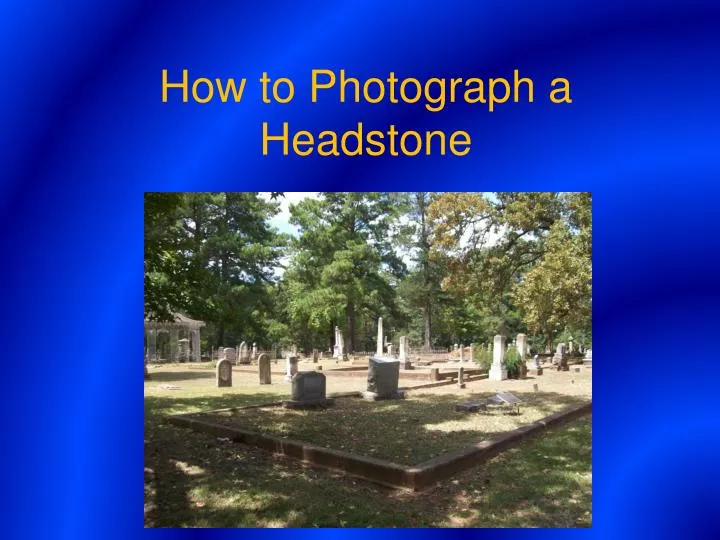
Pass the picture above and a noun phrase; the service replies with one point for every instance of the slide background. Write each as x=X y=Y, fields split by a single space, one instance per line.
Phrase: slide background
x=84 y=134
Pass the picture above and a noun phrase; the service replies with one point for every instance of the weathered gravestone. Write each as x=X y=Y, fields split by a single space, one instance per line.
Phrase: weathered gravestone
x=291 y=368
x=308 y=391
x=224 y=373
x=383 y=377
x=460 y=381
x=229 y=354
x=521 y=344
x=498 y=371
x=506 y=398
x=315 y=356
x=264 y=369
x=588 y=358
x=471 y=406
x=243 y=354
x=404 y=355
x=560 y=359
x=537 y=369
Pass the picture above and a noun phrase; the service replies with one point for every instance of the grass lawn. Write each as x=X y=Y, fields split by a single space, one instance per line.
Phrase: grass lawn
x=407 y=431
x=194 y=480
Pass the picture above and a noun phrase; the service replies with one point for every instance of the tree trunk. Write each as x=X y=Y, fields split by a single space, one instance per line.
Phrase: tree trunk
x=550 y=340
x=351 y=328
x=221 y=335
x=426 y=324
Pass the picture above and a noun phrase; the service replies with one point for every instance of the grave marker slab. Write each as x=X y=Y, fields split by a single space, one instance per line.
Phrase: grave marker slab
x=223 y=373
x=383 y=377
x=471 y=406
x=264 y=369
x=308 y=391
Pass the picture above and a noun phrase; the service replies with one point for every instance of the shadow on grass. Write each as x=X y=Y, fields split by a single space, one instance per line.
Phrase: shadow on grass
x=408 y=432
x=200 y=481
x=174 y=376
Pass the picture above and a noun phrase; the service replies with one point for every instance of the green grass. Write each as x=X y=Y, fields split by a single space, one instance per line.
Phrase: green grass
x=408 y=431
x=194 y=480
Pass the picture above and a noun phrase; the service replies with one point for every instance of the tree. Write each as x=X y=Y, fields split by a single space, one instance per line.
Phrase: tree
x=213 y=256
x=343 y=261
x=556 y=293
x=164 y=281
x=422 y=288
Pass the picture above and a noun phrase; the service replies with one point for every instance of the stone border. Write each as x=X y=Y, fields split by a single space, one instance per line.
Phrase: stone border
x=380 y=471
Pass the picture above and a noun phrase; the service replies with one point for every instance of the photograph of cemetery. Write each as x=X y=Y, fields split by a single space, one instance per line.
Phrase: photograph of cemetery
x=346 y=359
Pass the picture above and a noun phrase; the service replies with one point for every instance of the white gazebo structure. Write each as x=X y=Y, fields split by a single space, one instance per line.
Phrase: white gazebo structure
x=180 y=323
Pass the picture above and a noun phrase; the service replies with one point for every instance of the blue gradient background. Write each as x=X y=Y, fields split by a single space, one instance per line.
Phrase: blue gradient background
x=84 y=134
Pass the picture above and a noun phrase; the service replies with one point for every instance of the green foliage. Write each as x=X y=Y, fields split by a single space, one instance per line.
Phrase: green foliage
x=513 y=362
x=483 y=357
x=441 y=268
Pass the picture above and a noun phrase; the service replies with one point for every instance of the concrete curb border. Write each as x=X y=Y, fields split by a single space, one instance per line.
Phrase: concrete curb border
x=380 y=471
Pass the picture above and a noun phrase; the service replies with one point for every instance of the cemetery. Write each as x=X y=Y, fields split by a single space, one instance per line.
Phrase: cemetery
x=262 y=432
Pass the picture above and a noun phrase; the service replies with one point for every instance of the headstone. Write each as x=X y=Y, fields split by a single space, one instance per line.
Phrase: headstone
x=224 y=373
x=521 y=344
x=254 y=351
x=383 y=377
x=434 y=374
x=389 y=350
x=308 y=391
x=462 y=353
x=460 y=381
x=498 y=371
x=243 y=356
x=379 y=347
x=560 y=359
x=229 y=354
x=588 y=358
x=291 y=368
x=506 y=398
x=184 y=350
x=264 y=369
x=537 y=369
x=404 y=355
x=339 y=350
x=315 y=356
x=471 y=406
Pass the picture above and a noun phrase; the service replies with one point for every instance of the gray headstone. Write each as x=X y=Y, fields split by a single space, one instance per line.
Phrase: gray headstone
x=507 y=397
x=308 y=391
x=308 y=386
x=471 y=406
x=229 y=353
x=264 y=369
x=290 y=368
x=223 y=373
x=383 y=376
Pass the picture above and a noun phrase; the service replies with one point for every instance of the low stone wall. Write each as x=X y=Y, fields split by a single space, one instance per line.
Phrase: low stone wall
x=380 y=471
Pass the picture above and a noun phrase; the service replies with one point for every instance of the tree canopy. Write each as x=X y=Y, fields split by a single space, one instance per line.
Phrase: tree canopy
x=442 y=268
